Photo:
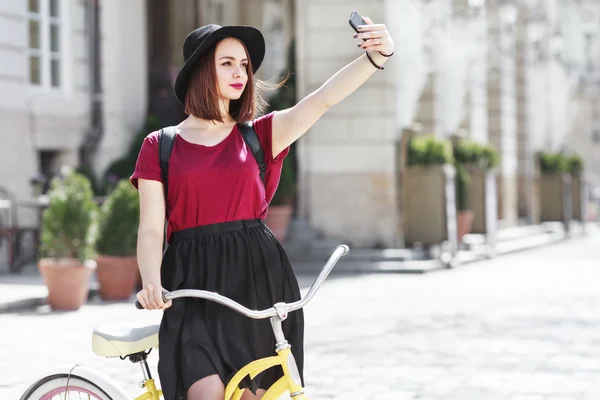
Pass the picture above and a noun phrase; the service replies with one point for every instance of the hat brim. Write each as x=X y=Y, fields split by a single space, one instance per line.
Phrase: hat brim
x=251 y=37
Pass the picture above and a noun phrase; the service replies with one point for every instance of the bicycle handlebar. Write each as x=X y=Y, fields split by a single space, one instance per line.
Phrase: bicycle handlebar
x=280 y=309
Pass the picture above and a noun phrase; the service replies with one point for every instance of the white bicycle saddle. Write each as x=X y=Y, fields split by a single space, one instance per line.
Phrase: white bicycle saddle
x=114 y=340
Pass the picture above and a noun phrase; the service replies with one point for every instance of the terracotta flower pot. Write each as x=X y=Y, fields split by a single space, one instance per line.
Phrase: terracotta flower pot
x=67 y=281
x=278 y=220
x=464 y=220
x=117 y=276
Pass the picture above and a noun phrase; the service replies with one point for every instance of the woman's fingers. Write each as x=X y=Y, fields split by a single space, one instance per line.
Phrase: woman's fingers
x=372 y=44
x=375 y=37
x=157 y=292
x=369 y=28
x=369 y=35
x=151 y=298
x=167 y=305
x=143 y=299
x=149 y=294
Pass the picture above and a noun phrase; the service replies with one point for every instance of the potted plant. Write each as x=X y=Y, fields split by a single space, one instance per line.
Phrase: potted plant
x=482 y=194
x=66 y=241
x=555 y=187
x=282 y=205
x=463 y=153
x=429 y=167
x=474 y=163
x=552 y=163
x=486 y=157
x=575 y=168
x=117 y=270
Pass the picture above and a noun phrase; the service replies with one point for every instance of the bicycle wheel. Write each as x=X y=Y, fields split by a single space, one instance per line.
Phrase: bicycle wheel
x=65 y=387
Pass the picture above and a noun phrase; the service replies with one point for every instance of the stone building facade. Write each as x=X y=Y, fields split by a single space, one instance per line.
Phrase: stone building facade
x=79 y=77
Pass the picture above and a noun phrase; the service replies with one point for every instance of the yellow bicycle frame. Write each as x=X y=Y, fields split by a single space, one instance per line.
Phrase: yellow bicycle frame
x=233 y=392
x=286 y=382
x=151 y=392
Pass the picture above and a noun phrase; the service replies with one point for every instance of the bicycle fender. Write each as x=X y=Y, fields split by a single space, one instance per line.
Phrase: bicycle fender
x=108 y=384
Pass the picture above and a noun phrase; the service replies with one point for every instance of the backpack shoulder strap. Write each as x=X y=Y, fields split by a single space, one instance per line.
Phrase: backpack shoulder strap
x=166 y=139
x=251 y=139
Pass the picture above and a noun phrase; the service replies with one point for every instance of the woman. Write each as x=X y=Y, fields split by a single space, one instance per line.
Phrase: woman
x=216 y=203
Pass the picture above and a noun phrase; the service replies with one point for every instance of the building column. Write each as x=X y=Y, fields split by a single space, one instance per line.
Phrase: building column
x=125 y=77
x=531 y=119
x=347 y=159
x=502 y=109
x=478 y=104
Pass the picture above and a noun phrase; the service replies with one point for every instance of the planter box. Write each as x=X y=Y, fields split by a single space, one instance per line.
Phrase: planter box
x=579 y=199
x=429 y=212
x=555 y=198
x=483 y=201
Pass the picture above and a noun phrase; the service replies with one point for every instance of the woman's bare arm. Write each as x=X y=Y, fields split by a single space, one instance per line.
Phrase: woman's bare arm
x=290 y=124
x=150 y=240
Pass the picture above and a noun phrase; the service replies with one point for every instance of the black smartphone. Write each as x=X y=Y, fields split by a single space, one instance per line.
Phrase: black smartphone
x=356 y=20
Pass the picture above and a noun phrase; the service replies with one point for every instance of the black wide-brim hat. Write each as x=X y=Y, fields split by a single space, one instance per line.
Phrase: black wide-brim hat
x=199 y=40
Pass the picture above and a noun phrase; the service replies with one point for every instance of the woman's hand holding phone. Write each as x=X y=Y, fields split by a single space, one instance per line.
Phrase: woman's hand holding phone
x=375 y=36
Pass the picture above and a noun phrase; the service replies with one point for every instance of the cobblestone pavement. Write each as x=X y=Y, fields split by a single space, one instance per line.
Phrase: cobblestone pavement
x=519 y=327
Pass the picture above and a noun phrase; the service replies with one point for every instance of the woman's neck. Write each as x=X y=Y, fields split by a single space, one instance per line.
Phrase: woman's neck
x=199 y=123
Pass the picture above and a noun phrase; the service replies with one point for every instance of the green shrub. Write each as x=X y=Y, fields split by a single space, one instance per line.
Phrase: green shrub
x=553 y=163
x=461 y=181
x=68 y=222
x=488 y=157
x=469 y=153
x=575 y=165
x=464 y=153
x=429 y=150
x=118 y=222
x=472 y=153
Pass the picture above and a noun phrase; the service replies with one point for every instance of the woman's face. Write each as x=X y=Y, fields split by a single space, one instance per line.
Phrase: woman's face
x=232 y=68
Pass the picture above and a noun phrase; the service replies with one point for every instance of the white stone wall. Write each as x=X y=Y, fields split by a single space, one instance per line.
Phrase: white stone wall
x=41 y=118
x=124 y=77
x=347 y=159
x=35 y=118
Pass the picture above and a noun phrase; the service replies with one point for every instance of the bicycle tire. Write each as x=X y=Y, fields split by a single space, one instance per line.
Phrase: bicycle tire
x=42 y=388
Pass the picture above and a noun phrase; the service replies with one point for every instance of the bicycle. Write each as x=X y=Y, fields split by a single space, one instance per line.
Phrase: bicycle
x=66 y=382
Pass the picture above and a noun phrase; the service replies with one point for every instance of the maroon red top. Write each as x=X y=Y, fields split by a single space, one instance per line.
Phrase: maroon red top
x=214 y=184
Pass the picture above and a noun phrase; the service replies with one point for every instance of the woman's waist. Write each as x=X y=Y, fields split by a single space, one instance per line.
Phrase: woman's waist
x=215 y=228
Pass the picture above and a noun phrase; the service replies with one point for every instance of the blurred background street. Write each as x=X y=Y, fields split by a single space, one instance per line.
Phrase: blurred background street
x=465 y=177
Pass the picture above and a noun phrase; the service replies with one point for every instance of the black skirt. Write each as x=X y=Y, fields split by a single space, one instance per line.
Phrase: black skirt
x=241 y=260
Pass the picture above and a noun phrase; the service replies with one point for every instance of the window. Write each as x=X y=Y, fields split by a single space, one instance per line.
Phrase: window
x=45 y=52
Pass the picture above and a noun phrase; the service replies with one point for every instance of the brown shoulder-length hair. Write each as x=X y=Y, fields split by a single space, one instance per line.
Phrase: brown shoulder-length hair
x=202 y=97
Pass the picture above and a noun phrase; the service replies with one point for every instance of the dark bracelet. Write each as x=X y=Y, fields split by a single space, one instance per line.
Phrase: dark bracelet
x=373 y=62
x=387 y=55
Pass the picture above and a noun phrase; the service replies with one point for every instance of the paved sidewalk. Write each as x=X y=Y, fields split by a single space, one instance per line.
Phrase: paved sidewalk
x=518 y=327
x=27 y=290
x=509 y=240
